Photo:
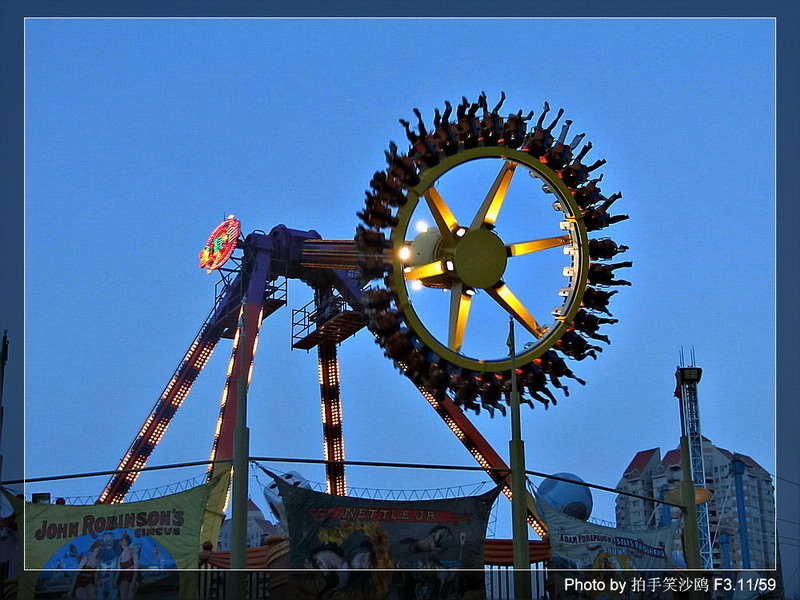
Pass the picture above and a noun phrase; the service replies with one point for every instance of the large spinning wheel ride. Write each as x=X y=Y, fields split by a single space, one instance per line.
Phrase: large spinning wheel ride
x=463 y=259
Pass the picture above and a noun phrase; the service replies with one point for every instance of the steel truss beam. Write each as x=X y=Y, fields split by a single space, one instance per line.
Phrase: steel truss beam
x=482 y=451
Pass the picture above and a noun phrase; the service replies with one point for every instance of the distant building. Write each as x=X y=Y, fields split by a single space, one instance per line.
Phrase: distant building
x=258 y=528
x=651 y=475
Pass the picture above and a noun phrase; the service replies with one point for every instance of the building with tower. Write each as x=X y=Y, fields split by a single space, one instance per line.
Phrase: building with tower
x=650 y=474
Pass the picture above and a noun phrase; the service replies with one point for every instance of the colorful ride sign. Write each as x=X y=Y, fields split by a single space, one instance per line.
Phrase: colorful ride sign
x=220 y=245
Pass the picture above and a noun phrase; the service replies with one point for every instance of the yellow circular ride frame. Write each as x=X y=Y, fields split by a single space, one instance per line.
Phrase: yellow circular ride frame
x=470 y=256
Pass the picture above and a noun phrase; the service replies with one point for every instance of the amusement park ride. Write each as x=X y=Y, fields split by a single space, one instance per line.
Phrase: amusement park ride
x=460 y=258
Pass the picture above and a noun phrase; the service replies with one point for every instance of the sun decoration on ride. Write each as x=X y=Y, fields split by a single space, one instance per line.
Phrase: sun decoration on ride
x=220 y=245
x=464 y=258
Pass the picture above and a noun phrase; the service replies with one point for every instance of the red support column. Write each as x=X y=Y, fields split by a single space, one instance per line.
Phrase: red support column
x=331 y=406
x=223 y=436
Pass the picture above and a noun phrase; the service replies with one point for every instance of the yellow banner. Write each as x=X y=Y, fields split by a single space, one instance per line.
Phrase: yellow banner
x=127 y=550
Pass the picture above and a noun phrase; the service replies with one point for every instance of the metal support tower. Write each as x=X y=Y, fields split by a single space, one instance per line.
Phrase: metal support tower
x=688 y=378
x=244 y=302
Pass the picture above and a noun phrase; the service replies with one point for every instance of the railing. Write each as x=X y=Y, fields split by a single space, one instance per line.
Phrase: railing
x=499 y=583
x=307 y=318
x=277 y=290
x=212 y=583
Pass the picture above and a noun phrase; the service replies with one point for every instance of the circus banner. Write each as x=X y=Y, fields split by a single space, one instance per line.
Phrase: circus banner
x=576 y=544
x=341 y=541
x=128 y=550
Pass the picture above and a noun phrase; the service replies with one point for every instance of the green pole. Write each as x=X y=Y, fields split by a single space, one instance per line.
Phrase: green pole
x=519 y=508
x=241 y=451
x=691 y=535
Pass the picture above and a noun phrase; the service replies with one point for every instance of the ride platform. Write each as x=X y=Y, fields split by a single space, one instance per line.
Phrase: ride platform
x=331 y=324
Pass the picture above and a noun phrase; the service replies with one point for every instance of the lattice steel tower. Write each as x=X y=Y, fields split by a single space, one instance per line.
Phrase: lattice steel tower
x=688 y=377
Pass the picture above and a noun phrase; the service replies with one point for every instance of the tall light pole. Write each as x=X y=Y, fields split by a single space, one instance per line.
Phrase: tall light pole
x=522 y=563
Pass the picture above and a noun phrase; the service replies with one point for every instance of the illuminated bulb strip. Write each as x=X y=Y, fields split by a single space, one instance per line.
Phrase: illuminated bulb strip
x=222 y=403
x=482 y=461
x=227 y=495
x=330 y=408
x=162 y=415
x=146 y=425
x=250 y=374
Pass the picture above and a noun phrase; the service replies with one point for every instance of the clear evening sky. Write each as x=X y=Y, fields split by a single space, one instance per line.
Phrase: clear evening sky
x=142 y=135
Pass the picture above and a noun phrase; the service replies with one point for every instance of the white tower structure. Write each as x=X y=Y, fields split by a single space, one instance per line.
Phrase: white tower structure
x=688 y=378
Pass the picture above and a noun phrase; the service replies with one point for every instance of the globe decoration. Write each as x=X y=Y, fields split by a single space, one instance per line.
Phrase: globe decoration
x=572 y=499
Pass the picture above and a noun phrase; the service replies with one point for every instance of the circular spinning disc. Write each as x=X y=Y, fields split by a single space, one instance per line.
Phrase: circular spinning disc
x=471 y=257
x=476 y=249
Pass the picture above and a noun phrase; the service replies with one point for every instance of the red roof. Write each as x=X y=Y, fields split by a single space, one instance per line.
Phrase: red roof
x=748 y=461
x=265 y=526
x=673 y=457
x=640 y=461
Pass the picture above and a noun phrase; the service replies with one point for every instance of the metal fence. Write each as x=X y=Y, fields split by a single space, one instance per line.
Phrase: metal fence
x=499 y=583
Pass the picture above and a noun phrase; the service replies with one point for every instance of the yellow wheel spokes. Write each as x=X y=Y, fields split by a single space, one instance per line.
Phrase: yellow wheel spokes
x=478 y=275
x=444 y=218
x=505 y=298
x=466 y=257
x=521 y=248
x=423 y=272
x=460 y=303
x=487 y=213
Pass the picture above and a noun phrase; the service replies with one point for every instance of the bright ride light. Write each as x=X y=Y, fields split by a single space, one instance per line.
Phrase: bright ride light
x=404 y=253
x=220 y=245
x=422 y=226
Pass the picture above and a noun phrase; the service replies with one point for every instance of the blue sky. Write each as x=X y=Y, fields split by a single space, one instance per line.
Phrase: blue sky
x=141 y=135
